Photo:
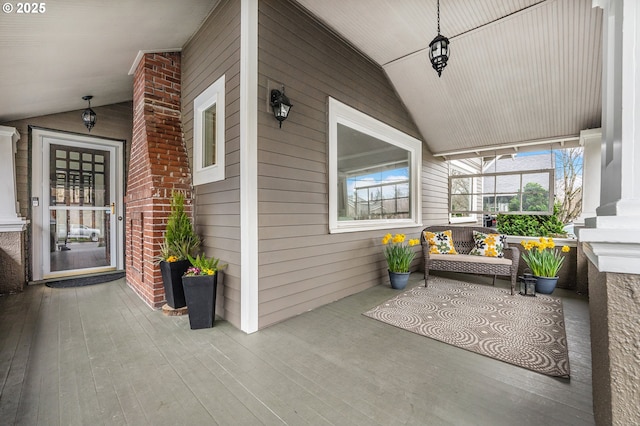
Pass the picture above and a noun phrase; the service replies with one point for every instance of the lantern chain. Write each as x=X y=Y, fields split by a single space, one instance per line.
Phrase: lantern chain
x=438 y=16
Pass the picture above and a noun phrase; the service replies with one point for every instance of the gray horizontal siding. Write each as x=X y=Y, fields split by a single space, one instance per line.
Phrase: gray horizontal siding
x=301 y=265
x=215 y=51
x=435 y=190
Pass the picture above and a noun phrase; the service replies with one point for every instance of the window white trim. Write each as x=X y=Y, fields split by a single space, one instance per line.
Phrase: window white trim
x=465 y=169
x=213 y=95
x=340 y=113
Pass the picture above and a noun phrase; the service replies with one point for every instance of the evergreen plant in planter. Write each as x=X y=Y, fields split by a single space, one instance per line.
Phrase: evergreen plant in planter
x=180 y=241
x=200 y=286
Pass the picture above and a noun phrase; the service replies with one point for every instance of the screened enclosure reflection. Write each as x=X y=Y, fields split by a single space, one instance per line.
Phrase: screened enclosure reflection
x=373 y=178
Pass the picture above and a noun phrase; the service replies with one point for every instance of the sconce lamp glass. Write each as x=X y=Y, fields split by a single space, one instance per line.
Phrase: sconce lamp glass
x=280 y=104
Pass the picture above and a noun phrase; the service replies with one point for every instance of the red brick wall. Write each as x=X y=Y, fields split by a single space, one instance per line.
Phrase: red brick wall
x=158 y=166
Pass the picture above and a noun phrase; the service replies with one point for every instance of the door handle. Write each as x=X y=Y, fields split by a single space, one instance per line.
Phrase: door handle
x=113 y=208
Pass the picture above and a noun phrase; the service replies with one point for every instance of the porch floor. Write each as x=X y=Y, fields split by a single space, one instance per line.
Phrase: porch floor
x=99 y=355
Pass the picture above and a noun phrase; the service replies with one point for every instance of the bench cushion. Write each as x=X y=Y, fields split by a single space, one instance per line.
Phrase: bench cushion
x=471 y=258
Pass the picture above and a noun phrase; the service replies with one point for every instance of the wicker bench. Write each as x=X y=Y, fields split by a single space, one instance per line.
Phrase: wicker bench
x=463 y=262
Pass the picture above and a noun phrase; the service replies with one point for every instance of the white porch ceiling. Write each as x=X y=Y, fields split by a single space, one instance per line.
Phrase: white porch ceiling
x=522 y=70
x=75 y=48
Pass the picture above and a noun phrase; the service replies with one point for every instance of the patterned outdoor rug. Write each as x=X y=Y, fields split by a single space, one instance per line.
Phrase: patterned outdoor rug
x=524 y=331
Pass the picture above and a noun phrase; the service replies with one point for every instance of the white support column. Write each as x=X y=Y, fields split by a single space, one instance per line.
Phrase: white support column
x=12 y=271
x=612 y=238
x=10 y=220
x=249 y=286
x=591 y=141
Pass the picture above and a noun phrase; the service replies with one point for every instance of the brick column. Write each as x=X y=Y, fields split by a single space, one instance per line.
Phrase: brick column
x=158 y=166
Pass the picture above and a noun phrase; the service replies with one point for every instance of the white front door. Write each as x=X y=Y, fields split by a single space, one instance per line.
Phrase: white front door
x=76 y=204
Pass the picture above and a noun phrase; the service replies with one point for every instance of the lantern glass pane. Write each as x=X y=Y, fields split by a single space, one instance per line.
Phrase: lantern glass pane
x=283 y=111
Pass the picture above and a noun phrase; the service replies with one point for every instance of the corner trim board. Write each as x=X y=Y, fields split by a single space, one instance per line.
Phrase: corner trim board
x=248 y=166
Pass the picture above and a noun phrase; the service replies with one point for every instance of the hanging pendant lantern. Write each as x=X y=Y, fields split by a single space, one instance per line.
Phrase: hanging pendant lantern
x=88 y=115
x=439 y=49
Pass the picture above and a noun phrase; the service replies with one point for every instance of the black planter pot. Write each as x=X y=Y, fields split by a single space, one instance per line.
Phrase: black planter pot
x=200 y=293
x=172 y=273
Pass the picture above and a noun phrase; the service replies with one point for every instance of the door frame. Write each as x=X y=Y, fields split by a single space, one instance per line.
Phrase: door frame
x=41 y=139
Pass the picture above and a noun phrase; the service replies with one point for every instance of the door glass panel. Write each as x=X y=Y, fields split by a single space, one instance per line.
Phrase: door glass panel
x=80 y=211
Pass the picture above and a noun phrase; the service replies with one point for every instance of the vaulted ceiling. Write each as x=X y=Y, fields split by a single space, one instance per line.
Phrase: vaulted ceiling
x=520 y=71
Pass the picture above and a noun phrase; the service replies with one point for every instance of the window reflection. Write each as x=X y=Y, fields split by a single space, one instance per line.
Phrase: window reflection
x=374 y=176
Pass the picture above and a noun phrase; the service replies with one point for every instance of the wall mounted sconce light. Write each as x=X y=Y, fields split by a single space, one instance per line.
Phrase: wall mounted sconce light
x=88 y=115
x=280 y=104
x=439 y=49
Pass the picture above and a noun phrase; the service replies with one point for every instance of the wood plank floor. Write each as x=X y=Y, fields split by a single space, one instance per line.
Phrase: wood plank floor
x=98 y=355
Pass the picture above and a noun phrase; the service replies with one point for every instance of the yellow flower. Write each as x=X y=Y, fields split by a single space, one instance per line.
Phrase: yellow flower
x=172 y=259
x=399 y=253
x=543 y=262
x=399 y=238
x=566 y=249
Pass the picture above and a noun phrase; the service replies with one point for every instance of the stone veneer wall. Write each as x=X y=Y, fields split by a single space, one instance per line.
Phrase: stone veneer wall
x=614 y=301
x=12 y=262
x=158 y=166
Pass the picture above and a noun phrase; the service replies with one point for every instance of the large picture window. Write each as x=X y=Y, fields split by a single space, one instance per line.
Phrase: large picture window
x=208 y=134
x=374 y=173
x=508 y=192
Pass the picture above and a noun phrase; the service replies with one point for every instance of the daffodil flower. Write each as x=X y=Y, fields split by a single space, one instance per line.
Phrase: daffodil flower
x=399 y=253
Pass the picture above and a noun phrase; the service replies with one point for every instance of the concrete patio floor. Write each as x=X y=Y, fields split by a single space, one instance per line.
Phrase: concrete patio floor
x=99 y=355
